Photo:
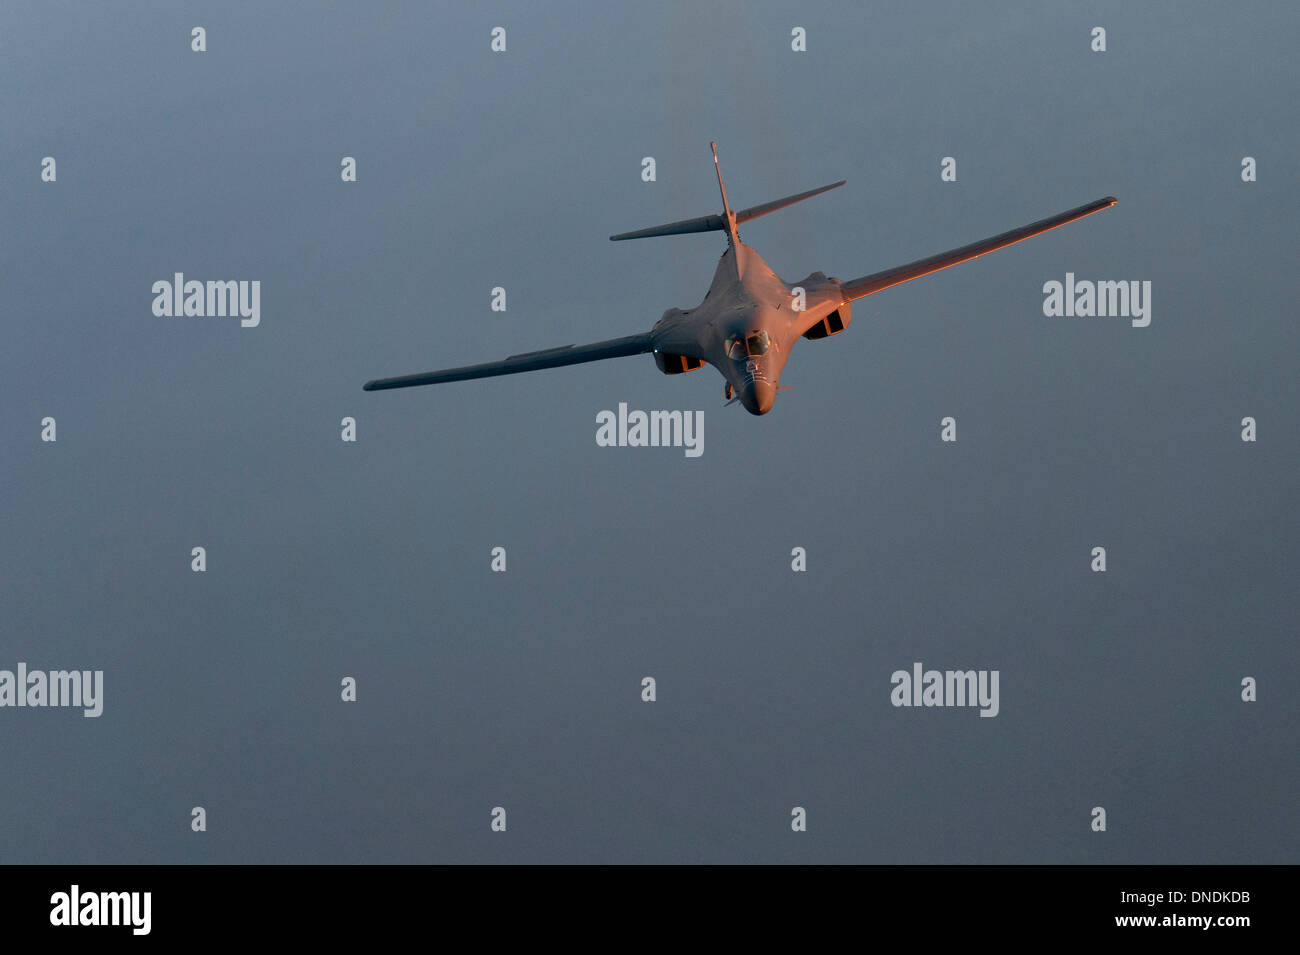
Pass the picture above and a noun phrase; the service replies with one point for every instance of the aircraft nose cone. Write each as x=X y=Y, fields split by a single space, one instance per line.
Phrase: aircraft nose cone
x=759 y=397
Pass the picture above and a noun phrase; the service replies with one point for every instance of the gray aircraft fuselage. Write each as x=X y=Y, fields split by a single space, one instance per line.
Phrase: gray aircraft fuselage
x=746 y=300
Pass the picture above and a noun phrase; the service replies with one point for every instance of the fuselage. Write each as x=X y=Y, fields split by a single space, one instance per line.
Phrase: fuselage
x=748 y=323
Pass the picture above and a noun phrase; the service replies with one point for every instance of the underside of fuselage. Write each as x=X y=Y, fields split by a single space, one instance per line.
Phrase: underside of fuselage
x=745 y=327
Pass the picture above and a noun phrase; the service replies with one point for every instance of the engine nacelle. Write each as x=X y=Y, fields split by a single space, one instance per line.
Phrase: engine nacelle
x=832 y=324
x=671 y=364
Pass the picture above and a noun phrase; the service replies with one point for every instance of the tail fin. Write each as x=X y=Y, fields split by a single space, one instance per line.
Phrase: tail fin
x=728 y=221
x=726 y=206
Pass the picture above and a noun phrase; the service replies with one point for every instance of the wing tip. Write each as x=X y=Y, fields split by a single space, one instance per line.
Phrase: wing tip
x=371 y=385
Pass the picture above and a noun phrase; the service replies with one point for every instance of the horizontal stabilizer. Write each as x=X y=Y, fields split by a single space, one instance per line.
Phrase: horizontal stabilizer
x=719 y=223
x=753 y=212
x=681 y=227
x=529 y=361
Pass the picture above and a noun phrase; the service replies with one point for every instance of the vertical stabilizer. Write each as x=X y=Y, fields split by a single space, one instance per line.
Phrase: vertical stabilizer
x=730 y=217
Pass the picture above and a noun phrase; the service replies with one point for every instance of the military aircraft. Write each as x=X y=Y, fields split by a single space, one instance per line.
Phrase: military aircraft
x=749 y=319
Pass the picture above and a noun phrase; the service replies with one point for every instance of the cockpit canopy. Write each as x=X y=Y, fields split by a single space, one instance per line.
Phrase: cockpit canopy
x=740 y=347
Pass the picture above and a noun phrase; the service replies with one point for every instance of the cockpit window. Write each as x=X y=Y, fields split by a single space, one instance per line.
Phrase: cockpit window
x=740 y=346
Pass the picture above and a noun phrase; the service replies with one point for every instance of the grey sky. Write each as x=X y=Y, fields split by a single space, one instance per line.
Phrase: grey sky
x=521 y=689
